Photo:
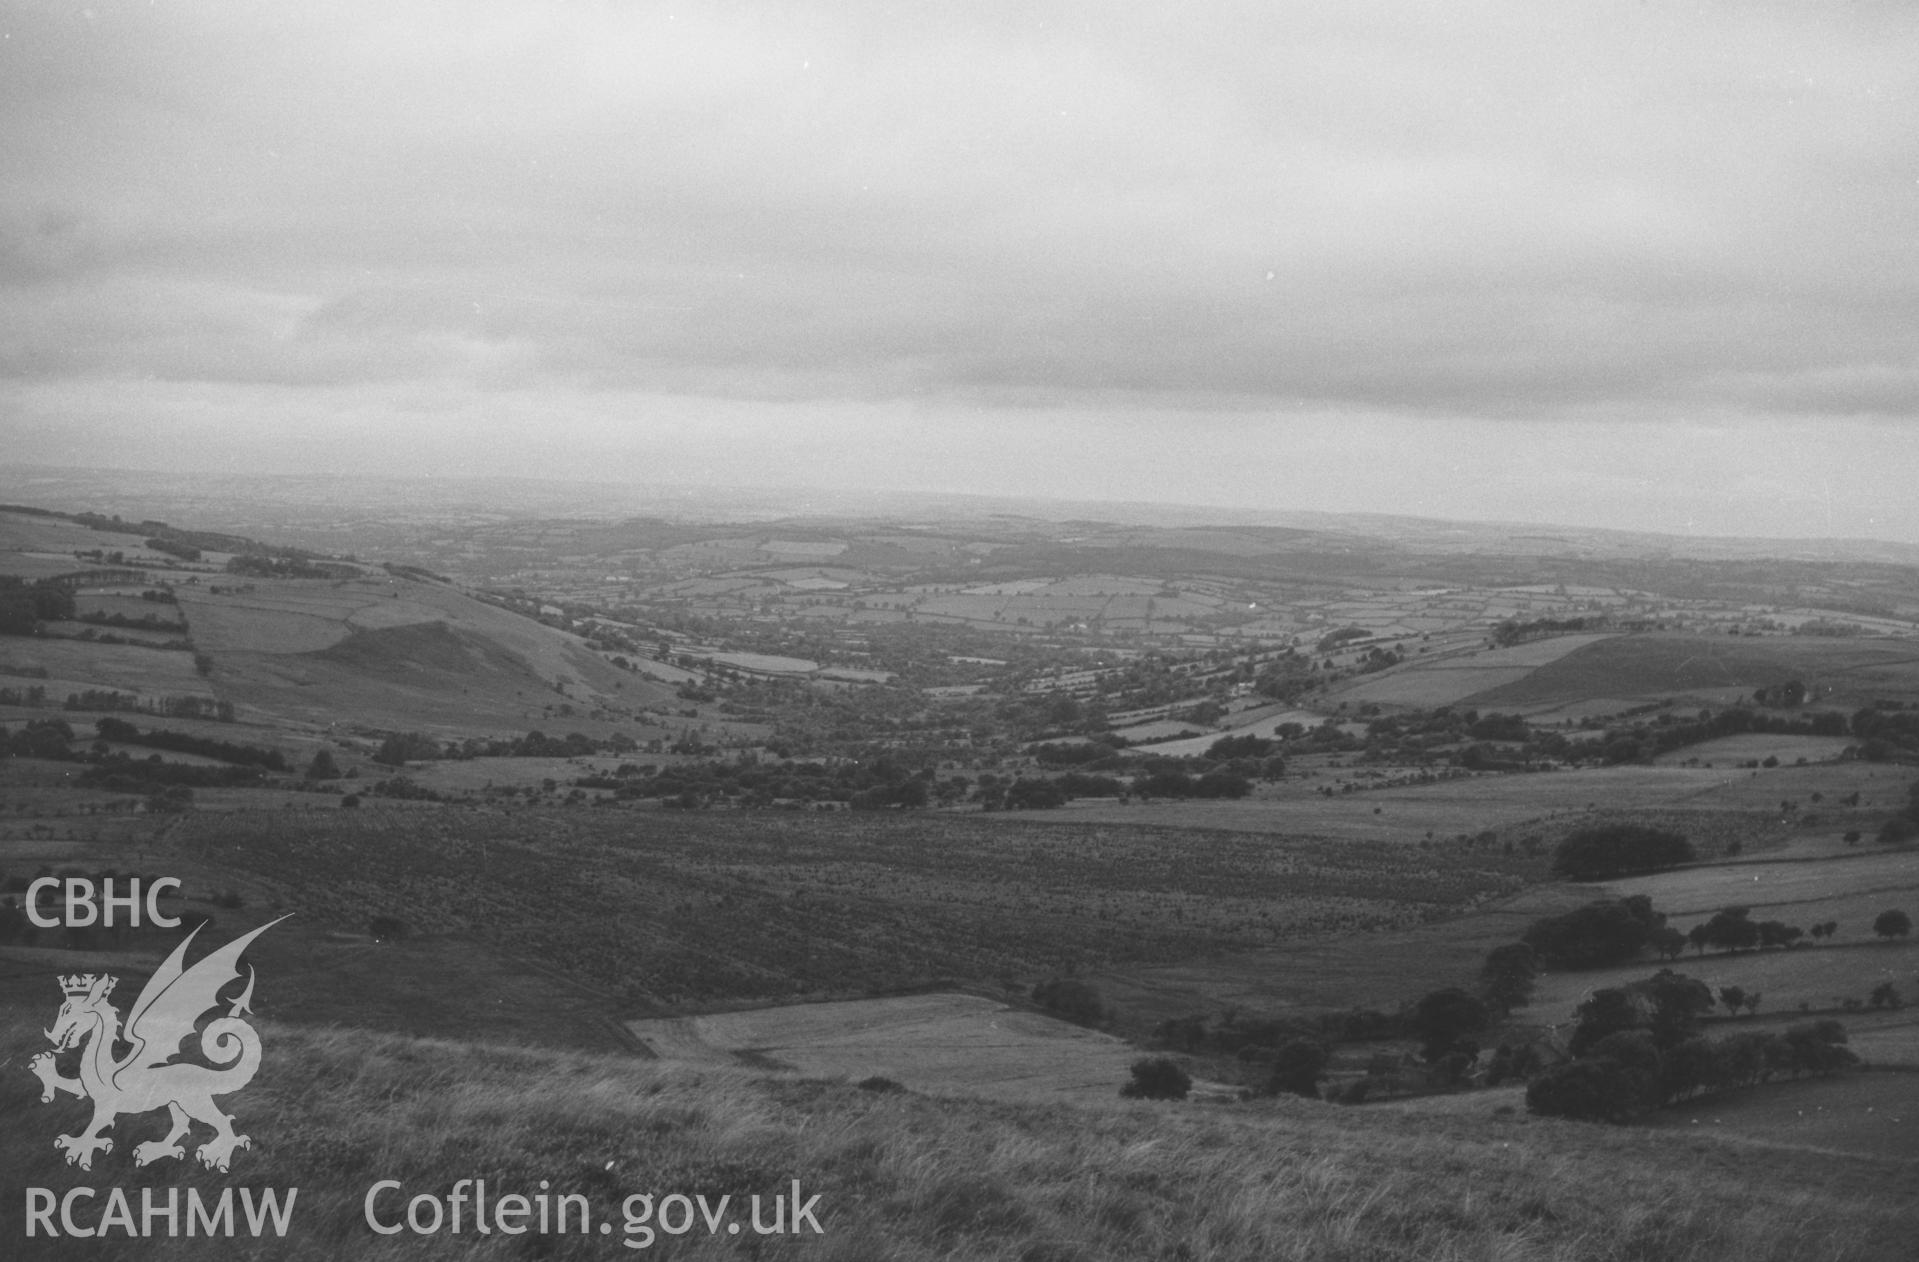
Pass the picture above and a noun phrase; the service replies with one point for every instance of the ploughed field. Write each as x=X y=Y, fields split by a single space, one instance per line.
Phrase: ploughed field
x=670 y=909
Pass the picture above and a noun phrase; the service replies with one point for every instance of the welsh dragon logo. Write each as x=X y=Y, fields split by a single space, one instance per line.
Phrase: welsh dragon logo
x=148 y=1077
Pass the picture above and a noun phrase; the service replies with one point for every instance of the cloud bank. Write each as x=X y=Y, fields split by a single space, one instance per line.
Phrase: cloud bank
x=1154 y=250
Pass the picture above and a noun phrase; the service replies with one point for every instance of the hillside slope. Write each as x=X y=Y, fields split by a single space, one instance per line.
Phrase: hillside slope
x=903 y=1176
x=302 y=641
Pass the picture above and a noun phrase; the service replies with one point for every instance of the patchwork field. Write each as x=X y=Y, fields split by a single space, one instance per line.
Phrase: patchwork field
x=937 y=1043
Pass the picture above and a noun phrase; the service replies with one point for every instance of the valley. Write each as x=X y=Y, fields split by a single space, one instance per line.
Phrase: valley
x=977 y=812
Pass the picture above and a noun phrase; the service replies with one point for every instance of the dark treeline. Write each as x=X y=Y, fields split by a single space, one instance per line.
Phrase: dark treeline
x=182 y=742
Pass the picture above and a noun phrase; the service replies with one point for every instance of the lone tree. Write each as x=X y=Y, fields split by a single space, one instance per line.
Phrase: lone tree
x=1892 y=924
x=1444 y=1018
x=1599 y=854
x=1507 y=976
x=323 y=767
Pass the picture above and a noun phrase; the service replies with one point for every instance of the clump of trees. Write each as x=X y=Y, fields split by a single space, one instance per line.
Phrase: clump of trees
x=24 y=606
x=1157 y=1078
x=1602 y=933
x=1298 y=1065
x=1892 y=924
x=1600 y=854
x=1637 y=1047
x=1071 y=999
x=1178 y=784
x=1903 y=825
x=1733 y=929
x=1444 y=1021
x=1506 y=979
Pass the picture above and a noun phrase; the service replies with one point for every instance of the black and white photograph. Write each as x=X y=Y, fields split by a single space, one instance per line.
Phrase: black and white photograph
x=959 y=632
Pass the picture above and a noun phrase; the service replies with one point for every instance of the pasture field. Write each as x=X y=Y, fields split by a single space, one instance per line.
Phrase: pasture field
x=1844 y=673
x=1851 y=888
x=231 y=625
x=30 y=532
x=127 y=602
x=1820 y=977
x=1847 y=884
x=768 y=662
x=81 y=631
x=1870 y=1114
x=1161 y=734
x=1333 y=972
x=1730 y=751
x=33 y=566
x=1435 y=681
x=77 y=664
x=685 y=909
x=476 y=775
x=1194 y=745
x=939 y=1043
x=1542 y=804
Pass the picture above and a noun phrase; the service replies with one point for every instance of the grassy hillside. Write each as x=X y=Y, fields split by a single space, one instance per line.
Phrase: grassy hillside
x=676 y=908
x=902 y=1176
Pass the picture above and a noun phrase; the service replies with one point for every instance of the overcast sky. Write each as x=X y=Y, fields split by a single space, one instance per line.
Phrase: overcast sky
x=1651 y=264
